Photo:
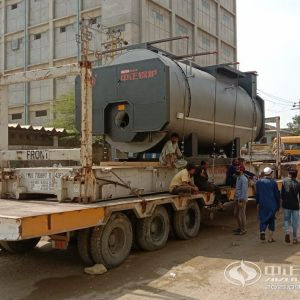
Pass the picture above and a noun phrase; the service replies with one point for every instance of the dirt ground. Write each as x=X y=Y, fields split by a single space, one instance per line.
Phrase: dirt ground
x=190 y=270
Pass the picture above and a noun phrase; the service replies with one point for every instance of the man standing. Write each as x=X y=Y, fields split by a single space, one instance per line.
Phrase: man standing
x=268 y=203
x=171 y=155
x=182 y=181
x=241 y=198
x=290 y=203
x=202 y=183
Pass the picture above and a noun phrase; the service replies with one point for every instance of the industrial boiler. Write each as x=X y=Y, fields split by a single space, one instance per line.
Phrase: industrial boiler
x=144 y=95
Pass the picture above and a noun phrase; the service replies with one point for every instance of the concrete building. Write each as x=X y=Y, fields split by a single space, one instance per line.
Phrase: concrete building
x=41 y=33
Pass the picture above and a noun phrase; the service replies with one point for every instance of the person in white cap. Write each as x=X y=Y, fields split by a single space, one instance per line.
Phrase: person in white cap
x=268 y=203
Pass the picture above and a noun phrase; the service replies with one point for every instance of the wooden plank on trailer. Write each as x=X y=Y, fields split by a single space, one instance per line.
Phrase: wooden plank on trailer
x=140 y=164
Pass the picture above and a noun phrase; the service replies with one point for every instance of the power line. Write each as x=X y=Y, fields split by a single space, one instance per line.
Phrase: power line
x=276 y=97
x=278 y=111
x=278 y=103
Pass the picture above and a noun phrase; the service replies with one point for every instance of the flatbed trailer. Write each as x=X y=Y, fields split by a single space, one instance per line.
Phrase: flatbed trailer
x=107 y=230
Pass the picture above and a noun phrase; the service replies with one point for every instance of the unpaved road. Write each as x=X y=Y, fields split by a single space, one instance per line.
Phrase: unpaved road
x=189 y=270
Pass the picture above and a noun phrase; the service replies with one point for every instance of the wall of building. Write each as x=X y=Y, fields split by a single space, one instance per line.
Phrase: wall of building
x=38 y=34
x=42 y=33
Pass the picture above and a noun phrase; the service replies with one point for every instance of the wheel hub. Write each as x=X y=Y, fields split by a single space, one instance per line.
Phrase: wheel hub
x=116 y=240
x=156 y=228
x=190 y=218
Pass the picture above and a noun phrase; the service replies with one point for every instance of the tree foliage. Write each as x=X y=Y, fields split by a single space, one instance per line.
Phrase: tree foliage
x=64 y=112
x=294 y=126
x=64 y=117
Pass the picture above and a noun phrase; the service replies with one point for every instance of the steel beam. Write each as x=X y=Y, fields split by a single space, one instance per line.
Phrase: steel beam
x=41 y=74
x=41 y=154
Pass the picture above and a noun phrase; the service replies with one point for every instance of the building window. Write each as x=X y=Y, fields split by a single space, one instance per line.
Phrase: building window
x=226 y=18
x=226 y=52
x=120 y=28
x=93 y=21
x=156 y=15
x=182 y=29
x=206 y=4
x=17 y=116
x=62 y=29
x=15 y=44
x=37 y=36
x=14 y=6
x=41 y=113
x=206 y=41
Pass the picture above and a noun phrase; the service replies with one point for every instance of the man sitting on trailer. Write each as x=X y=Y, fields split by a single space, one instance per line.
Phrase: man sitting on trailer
x=231 y=173
x=171 y=155
x=248 y=174
x=202 y=183
x=182 y=182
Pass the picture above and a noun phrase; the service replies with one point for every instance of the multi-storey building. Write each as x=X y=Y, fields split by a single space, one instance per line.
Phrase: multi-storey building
x=41 y=33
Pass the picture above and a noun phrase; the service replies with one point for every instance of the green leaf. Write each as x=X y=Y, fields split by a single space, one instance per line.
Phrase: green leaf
x=294 y=126
x=64 y=112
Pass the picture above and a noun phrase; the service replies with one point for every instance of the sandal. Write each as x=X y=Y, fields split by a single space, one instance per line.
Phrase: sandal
x=262 y=236
x=271 y=241
x=295 y=241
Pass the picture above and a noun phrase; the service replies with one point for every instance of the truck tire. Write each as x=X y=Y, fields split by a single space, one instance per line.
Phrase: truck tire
x=84 y=246
x=19 y=246
x=1 y=248
x=111 y=243
x=187 y=222
x=153 y=231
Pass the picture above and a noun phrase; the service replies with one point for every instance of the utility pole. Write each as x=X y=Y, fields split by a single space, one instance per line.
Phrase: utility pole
x=86 y=153
x=114 y=43
x=276 y=120
x=296 y=106
x=3 y=117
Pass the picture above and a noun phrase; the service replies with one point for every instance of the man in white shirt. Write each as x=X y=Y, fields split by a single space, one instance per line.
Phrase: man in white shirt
x=171 y=155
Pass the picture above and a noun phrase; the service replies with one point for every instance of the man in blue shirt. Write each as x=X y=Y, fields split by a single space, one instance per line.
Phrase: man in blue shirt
x=268 y=203
x=290 y=193
x=241 y=198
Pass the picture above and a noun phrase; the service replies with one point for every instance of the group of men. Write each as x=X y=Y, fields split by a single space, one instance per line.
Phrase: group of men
x=269 y=198
x=192 y=179
x=182 y=182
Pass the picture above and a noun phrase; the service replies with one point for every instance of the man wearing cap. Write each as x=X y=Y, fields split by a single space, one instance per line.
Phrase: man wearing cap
x=241 y=198
x=290 y=203
x=268 y=203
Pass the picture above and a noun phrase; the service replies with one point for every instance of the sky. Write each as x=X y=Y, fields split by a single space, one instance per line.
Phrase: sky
x=269 y=43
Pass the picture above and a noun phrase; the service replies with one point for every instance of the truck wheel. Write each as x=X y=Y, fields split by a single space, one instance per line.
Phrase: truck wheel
x=19 y=246
x=153 y=232
x=187 y=222
x=84 y=246
x=1 y=248
x=111 y=243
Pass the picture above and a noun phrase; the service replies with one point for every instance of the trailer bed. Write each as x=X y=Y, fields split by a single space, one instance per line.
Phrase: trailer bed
x=31 y=218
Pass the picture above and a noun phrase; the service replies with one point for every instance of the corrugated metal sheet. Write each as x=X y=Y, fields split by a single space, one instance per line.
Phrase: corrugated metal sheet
x=41 y=129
